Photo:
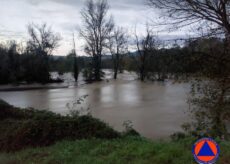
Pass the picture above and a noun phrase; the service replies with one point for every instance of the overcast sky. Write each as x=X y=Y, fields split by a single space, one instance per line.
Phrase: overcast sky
x=64 y=17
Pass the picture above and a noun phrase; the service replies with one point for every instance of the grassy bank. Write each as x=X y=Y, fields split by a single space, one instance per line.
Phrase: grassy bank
x=32 y=136
x=133 y=150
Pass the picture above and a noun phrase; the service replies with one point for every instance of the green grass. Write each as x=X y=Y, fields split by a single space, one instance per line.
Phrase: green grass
x=128 y=150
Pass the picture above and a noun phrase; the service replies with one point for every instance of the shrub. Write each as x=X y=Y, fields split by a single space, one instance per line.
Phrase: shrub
x=32 y=128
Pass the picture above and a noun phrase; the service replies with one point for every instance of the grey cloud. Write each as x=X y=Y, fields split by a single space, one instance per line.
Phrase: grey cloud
x=64 y=17
x=115 y=4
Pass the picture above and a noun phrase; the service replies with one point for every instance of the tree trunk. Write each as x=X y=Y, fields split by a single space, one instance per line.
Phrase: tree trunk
x=76 y=69
x=97 y=67
x=142 y=74
x=142 y=70
x=116 y=66
x=115 y=74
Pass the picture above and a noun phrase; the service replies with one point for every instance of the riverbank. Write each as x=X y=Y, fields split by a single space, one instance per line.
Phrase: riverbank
x=32 y=136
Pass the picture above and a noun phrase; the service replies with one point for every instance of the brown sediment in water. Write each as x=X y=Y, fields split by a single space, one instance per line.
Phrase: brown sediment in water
x=156 y=109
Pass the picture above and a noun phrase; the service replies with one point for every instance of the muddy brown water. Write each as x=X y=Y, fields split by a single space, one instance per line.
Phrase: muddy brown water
x=156 y=109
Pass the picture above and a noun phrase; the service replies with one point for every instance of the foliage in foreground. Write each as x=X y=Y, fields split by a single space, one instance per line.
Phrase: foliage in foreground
x=123 y=150
x=22 y=128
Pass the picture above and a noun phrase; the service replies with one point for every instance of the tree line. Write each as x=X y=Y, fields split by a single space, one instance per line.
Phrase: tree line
x=17 y=66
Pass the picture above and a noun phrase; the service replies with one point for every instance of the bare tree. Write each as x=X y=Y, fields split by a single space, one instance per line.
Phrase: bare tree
x=216 y=13
x=118 y=47
x=42 y=41
x=96 y=31
x=145 y=47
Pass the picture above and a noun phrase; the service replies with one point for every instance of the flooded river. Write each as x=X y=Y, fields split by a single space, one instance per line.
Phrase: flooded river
x=156 y=109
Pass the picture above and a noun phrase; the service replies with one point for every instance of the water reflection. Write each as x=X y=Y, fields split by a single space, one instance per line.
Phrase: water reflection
x=156 y=109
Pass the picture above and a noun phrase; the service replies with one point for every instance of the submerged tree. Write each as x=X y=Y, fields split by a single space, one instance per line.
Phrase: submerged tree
x=75 y=65
x=118 y=47
x=96 y=31
x=42 y=41
x=145 y=48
